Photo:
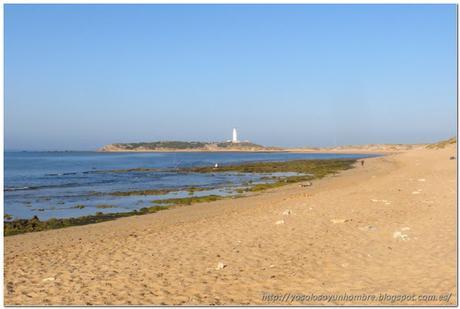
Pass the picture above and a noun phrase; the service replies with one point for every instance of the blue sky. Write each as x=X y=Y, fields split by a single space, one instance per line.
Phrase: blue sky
x=81 y=76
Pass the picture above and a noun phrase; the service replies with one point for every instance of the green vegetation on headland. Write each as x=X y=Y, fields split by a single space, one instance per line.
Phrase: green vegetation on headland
x=240 y=145
x=162 y=145
x=21 y=226
x=306 y=170
x=185 y=146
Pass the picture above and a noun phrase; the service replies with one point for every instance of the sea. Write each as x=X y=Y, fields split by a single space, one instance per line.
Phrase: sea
x=72 y=184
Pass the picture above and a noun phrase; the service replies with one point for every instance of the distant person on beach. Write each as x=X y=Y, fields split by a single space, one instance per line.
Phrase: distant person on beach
x=362 y=163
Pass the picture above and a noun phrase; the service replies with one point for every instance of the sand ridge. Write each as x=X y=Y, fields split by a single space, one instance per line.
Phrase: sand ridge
x=363 y=231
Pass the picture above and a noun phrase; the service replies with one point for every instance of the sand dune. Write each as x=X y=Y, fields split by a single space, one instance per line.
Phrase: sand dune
x=370 y=148
x=388 y=227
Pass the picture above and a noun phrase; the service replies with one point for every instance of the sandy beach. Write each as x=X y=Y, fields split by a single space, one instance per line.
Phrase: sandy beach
x=386 y=229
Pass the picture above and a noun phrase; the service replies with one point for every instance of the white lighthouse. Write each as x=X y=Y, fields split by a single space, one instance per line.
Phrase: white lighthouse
x=235 y=136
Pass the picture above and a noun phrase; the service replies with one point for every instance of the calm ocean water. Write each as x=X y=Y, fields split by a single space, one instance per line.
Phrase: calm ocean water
x=51 y=184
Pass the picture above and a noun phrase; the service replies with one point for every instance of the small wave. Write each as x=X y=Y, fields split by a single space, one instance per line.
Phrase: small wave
x=61 y=174
x=20 y=188
x=64 y=185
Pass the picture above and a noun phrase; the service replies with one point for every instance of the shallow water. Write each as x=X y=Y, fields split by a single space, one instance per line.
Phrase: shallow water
x=51 y=184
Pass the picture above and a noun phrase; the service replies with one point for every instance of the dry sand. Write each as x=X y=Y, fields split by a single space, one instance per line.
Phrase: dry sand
x=388 y=227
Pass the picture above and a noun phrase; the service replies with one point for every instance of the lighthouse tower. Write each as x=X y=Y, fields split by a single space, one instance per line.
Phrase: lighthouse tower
x=235 y=136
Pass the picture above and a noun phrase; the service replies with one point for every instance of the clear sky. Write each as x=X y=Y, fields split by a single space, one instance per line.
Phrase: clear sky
x=81 y=76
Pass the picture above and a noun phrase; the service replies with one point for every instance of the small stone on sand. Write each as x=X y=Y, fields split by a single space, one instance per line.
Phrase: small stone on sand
x=335 y=221
x=381 y=201
x=220 y=266
x=48 y=279
x=287 y=212
x=279 y=222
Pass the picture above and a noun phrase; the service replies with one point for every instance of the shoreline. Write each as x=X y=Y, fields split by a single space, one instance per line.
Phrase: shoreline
x=351 y=232
x=305 y=170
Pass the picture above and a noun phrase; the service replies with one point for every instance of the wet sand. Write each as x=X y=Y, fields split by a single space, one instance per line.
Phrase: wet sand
x=388 y=227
